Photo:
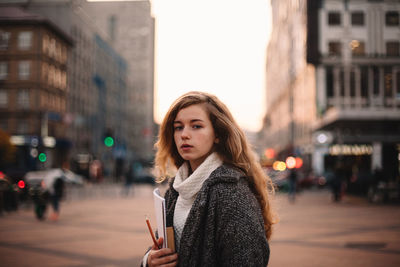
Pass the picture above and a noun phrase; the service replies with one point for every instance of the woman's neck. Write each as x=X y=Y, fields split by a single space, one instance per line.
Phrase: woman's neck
x=190 y=171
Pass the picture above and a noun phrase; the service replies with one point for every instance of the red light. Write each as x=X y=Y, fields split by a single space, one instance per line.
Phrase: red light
x=299 y=163
x=21 y=184
x=270 y=153
x=2 y=176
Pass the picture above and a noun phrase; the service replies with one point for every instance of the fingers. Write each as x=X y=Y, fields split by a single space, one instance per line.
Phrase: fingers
x=162 y=257
x=159 y=242
x=171 y=264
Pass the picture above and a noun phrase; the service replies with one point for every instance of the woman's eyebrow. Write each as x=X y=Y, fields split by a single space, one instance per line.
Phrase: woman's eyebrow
x=191 y=121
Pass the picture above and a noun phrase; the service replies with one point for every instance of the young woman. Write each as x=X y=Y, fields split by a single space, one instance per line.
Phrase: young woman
x=218 y=202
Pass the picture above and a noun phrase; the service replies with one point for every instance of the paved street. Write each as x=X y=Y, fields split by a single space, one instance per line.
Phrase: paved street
x=99 y=227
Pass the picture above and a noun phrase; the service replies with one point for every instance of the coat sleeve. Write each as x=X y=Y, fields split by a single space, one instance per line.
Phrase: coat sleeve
x=242 y=240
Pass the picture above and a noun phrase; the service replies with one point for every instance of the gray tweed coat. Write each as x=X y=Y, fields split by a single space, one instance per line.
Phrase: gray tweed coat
x=225 y=225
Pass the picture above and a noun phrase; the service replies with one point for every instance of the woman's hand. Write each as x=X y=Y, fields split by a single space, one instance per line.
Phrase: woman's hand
x=161 y=257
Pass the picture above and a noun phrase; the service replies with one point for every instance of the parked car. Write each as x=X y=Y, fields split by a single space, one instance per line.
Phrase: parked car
x=50 y=175
x=16 y=178
x=9 y=194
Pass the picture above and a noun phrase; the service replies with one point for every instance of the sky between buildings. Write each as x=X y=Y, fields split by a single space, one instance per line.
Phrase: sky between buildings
x=217 y=46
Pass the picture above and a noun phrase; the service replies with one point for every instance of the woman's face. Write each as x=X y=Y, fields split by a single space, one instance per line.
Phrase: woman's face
x=194 y=134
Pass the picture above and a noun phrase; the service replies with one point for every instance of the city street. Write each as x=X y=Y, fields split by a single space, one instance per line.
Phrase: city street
x=99 y=227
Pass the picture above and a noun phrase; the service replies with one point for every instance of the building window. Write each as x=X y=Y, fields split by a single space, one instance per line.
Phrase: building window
x=393 y=48
x=388 y=81
x=63 y=80
x=24 y=70
x=58 y=52
x=398 y=84
x=335 y=48
x=63 y=54
x=357 y=48
x=376 y=79
x=50 y=78
x=364 y=81
x=24 y=40
x=392 y=18
x=342 y=82
x=57 y=78
x=352 y=83
x=357 y=18
x=23 y=99
x=3 y=70
x=334 y=18
x=45 y=44
x=4 y=40
x=329 y=81
x=45 y=71
x=3 y=98
x=52 y=47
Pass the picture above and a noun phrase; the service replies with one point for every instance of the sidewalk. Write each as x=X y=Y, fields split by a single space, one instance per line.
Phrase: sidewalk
x=98 y=227
x=314 y=231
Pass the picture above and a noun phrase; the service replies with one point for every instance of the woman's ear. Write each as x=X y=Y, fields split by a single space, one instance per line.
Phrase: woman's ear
x=216 y=140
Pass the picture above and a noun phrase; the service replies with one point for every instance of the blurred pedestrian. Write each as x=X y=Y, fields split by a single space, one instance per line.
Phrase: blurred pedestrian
x=292 y=185
x=337 y=182
x=54 y=181
x=119 y=169
x=96 y=171
x=218 y=203
x=56 y=196
x=129 y=178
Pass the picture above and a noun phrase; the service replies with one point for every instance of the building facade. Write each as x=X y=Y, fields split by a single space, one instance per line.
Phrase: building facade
x=129 y=27
x=33 y=86
x=337 y=72
x=95 y=95
x=357 y=58
x=290 y=85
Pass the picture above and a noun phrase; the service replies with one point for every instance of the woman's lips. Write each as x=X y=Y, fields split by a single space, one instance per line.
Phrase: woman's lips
x=186 y=147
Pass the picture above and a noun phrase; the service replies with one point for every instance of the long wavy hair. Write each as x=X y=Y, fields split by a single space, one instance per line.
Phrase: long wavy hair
x=232 y=147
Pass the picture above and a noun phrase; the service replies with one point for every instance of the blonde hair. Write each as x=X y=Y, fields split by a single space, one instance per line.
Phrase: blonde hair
x=232 y=147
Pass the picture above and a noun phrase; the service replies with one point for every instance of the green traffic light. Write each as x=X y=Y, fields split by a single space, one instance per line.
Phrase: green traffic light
x=109 y=141
x=42 y=157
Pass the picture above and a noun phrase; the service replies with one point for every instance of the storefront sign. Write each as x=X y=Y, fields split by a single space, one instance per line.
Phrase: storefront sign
x=351 y=150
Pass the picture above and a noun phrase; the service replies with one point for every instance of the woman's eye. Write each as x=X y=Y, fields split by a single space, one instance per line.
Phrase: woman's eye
x=178 y=128
x=197 y=126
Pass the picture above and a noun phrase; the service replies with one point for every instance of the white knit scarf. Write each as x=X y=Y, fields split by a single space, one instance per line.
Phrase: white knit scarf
x=188 y=187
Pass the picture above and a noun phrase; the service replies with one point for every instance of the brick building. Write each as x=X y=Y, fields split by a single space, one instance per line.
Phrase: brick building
x=33 y=85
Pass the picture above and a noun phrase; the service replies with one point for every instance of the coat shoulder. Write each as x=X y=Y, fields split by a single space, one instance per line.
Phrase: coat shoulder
x=229 y=187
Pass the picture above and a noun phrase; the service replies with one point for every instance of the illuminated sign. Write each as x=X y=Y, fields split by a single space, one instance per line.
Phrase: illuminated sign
x=350 y=150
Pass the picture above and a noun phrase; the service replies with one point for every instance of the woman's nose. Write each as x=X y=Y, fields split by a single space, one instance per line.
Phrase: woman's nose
x=185 y=133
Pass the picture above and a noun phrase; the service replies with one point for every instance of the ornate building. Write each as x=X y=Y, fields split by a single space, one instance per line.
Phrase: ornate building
x=358 y=85
x=333 y=86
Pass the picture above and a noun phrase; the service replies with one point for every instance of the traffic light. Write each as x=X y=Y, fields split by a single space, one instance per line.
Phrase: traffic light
x=42 y=157
x=109 y=141
x=108 y=138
